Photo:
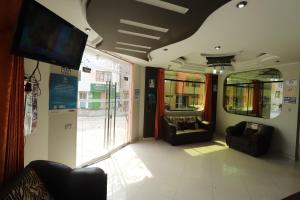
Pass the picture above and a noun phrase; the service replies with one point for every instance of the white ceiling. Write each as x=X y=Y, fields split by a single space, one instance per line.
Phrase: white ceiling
x=263 y=26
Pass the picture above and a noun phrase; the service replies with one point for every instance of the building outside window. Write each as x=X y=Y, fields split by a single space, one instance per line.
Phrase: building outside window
x=184 y=91
x=103 y=76
x=255 y=93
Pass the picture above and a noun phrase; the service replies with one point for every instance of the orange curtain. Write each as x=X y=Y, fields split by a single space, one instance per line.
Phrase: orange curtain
x=11 y=96
x=207 y=114
x=256 y=93
x=160 y=102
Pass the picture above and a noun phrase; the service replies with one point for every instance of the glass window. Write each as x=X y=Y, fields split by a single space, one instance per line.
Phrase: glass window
x=184 y=91
x=82 y=95
x=99 y=76
x=254 y=93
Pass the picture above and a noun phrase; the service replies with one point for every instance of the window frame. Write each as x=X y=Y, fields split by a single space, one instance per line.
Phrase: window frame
x=261 y=100
x=190 y=84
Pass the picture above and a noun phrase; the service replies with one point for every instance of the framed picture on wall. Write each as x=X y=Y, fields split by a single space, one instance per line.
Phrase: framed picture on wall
x=151 y=83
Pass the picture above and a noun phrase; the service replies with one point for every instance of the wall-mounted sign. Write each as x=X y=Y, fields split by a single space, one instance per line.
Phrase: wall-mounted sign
x=151 y=83
x=86 y=69
x=62 y=92
x=136 y=93
x=290 y=91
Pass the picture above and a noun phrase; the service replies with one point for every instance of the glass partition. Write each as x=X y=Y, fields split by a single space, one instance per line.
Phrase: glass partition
x=254 y=93
x=184 y=91
x=104 y=102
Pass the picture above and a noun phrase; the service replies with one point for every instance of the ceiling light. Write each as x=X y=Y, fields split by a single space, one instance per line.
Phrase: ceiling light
x=221 y=70
x=241 y=4
x=217 y=47
x=139 y=34
x=214 y=71
x=142 y=25
x=87 y=30
x=132 y=50
x=165 y=5
x=133 y=45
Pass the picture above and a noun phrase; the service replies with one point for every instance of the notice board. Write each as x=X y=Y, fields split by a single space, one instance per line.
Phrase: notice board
x=62 y=92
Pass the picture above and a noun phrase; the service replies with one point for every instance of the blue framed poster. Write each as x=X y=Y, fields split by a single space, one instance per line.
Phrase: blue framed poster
x=62 y=92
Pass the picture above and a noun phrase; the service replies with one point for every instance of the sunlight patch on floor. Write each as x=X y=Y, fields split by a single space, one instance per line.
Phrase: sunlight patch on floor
x=131 y=166
x=198 y=151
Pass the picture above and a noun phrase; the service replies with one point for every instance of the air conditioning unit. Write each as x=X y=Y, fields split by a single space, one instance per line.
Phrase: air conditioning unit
x=183 y=65
x=219 y=61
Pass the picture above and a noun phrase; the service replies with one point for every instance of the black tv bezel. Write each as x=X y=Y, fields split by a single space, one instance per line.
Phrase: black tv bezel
x=18 y=32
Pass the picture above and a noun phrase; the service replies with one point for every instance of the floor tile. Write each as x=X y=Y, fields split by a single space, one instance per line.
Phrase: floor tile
x=156 y=170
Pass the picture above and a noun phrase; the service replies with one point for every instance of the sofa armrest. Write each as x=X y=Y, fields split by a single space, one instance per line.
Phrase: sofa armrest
x=54 y=176
x=169 y=128
x=236 y=130
x=232 y=131
x=62 y=182
x=87 y=183
x=204 y=124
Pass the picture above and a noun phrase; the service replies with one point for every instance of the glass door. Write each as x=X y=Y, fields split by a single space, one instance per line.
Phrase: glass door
x=110 y=116
x=103 y=108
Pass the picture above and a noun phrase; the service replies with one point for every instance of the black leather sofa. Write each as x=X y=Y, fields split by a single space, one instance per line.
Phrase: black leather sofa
x=179 y=130
x=249 y=137
x=61 y=182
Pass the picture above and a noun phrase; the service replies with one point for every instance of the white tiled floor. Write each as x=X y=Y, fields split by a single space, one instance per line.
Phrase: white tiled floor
x=158 y=171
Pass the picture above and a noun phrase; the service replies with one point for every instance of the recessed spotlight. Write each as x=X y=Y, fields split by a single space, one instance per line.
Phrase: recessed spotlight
x=217 y=47
x=166 y=49
x=87 y=30
x=241 y=4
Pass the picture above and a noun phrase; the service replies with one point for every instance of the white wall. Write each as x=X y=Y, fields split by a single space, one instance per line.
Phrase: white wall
x=285 y=136
x=62 y=137
x=36 y=146
x=138 y=102
x=142 y=102
x=51 y=140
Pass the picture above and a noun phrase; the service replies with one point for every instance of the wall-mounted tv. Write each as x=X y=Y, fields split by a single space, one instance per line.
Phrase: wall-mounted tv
x=44 y=36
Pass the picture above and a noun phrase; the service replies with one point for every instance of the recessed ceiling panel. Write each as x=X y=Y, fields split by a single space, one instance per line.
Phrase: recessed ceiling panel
x=129 y=20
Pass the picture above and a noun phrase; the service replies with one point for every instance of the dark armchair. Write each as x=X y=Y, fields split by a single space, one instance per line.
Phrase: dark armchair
x=60 y=181
x=249 y=137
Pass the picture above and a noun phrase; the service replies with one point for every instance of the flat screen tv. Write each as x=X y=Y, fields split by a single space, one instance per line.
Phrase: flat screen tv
x=44 y=36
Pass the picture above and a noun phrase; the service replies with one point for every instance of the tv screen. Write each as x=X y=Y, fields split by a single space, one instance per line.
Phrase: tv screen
x=44 y=36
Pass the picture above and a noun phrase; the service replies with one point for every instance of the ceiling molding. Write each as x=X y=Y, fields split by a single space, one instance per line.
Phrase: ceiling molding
x=128 y=21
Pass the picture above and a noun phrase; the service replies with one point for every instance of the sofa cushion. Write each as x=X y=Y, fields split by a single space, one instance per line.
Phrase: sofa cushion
x=181 y=126
x=188 y=131
x=251 y=128
x=27 y=186
x=191 y=125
